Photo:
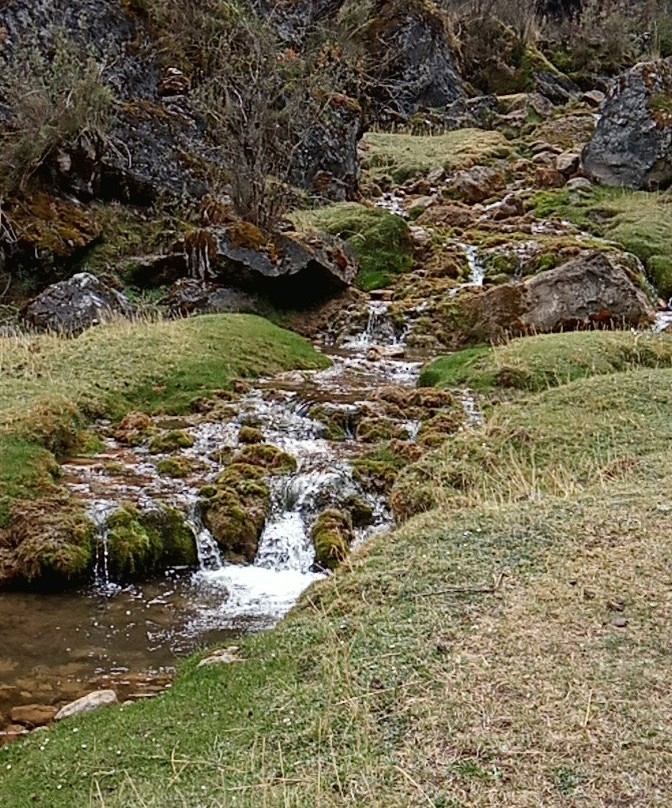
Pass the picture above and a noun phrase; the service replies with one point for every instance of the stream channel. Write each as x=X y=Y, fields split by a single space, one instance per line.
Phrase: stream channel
x=57 y=647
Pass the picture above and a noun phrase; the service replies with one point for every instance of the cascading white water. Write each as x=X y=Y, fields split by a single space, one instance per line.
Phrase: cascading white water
x=476 y=270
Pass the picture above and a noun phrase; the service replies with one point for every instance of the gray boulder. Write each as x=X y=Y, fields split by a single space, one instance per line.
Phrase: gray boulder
x=72 y=306
x=632 y=145
x=191 y=296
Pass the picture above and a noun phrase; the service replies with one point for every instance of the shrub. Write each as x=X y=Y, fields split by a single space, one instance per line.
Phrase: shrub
x=51 y=100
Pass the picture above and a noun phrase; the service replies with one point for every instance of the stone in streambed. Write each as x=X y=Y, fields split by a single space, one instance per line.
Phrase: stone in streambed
x=33 y=715
x=87 y=704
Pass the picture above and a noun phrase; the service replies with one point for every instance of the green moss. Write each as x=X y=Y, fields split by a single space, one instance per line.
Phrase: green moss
x=176 y=466
x=640 y=221
x=133 y=551
x=379 y=239
x=455 y=370
x=168 y=526
x=171 y=441
x=27 y=470
x=373 y=430
x=332 y=536
x=269 y=458
x=250 y=434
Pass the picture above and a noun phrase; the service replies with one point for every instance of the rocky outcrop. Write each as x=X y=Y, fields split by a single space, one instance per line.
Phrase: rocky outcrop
x=72 y=306
x=288 y=268
x=592 y=290
x=632 y=146
x=87 y=704
x=412 y=58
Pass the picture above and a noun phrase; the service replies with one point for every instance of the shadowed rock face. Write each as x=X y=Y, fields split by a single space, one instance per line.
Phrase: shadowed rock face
x=632 y=145
x=71 y=306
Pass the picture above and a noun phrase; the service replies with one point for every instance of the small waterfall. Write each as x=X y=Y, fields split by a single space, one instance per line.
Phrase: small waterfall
x=380 y=331
x=476 y=270
x=99 y=513
x=209 y=557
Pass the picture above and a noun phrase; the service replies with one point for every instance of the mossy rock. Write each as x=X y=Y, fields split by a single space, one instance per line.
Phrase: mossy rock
x=170 y=441
x=141 y=544
x=374 y=430
x=270 y=458
x=48 y=545
x=250 y=434
x=134 y=428
x=340 y=423
x=361 y=512
x=236 y=517
x=332 y=536
x=176 y=466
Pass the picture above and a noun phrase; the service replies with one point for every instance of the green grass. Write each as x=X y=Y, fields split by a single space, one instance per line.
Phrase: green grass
x=400 y=157
x=379 y=239
x=641 y=221
x=536 y=363
x=51 y=386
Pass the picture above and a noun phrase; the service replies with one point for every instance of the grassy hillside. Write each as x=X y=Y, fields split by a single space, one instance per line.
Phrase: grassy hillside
x=51 y=386
x=503 y=648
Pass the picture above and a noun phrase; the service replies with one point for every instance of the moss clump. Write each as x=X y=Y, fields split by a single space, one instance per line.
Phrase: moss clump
x=640 y=221
x=340 y=423
x=47 y=545
x=250 y=434
x=379 y=239
x=140 y=544
x=170 y=441
x=134 y=428
x=374 y=430
x=176 y=466
x=133 y=551
x=332 y=536
x=361 y=512
x=235 y=512
x=269 y=458
x=378 y=469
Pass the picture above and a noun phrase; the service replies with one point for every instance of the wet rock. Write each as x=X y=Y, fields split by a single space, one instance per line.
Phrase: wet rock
x=475 y=184
x=87 y=704
x=332 y=535
x=632 y=145
x=191 y=296
x=33 y=715
x=72 y=306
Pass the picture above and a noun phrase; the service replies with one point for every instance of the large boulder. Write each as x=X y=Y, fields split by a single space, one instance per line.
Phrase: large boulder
x=632 y=145
x=189 y=296
x=591 y=291
x=288 y=268
x=412 y=57
x=72 y=306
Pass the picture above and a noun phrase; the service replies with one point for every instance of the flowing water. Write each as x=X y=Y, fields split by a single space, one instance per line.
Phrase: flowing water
x=55 y=647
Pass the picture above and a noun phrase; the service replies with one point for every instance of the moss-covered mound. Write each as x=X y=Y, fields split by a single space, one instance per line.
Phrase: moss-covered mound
x=140 y=544
x=235 y=511
x=332 y=536
x=48 y=544
x=269 y=458
x=379 y=239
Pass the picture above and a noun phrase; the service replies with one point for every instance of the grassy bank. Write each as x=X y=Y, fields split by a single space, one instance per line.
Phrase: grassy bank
x=506 y=652
x=535 y=363
x=52 y=387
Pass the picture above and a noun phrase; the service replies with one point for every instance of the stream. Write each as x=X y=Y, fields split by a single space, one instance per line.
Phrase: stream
x=56 y=647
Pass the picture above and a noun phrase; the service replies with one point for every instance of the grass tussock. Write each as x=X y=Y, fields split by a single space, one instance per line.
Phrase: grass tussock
x=400 y=157
x=533 y=364
x=639 y=220
x=52 y=386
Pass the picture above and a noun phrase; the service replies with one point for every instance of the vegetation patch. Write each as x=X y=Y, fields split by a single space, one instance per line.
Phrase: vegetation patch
x=332 y=536
x=398 y=158
x=641 y=221
x=549 y=360
x=379 y=239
